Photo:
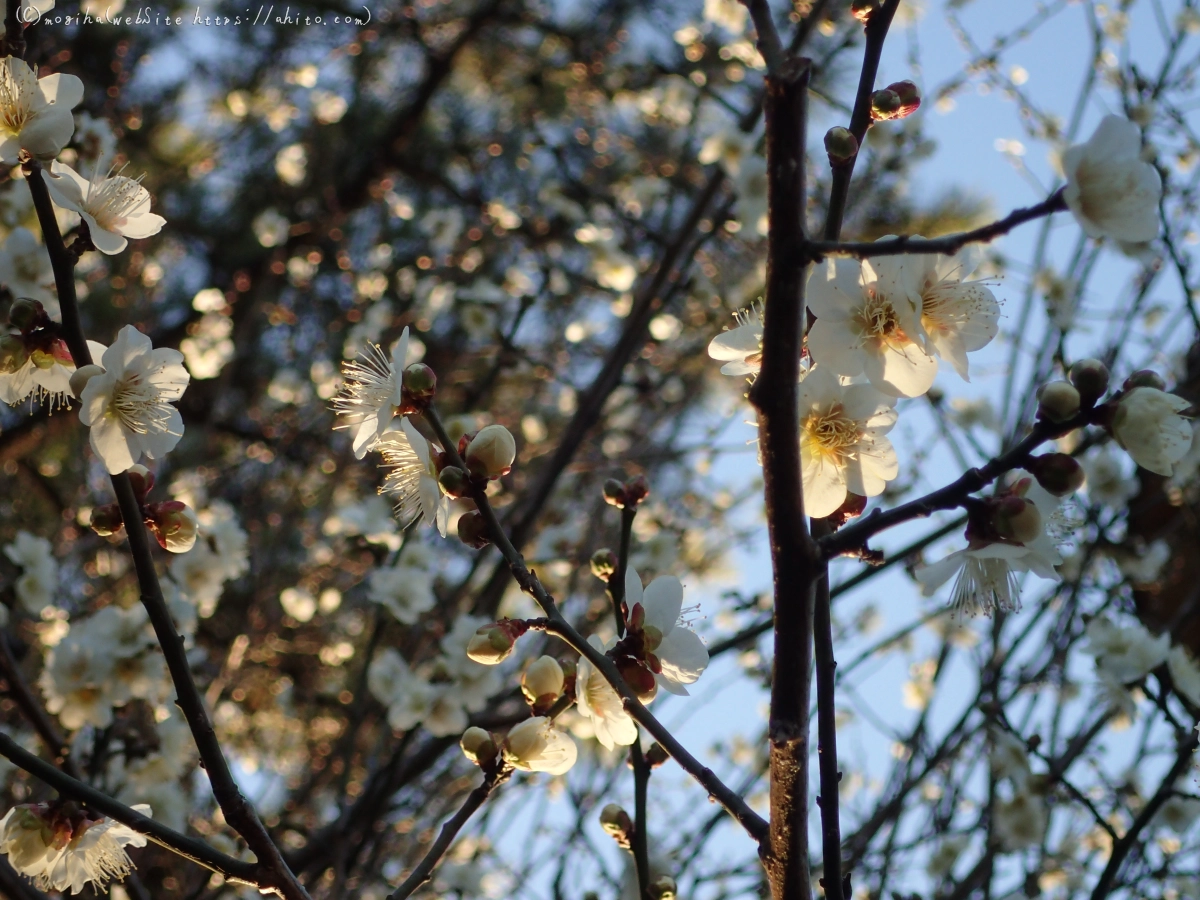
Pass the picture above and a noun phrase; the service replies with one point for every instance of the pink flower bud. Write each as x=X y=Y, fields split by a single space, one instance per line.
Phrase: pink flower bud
x=472 y=530
x=106 y=520
x=1090 y=377
x=142 y=481
x=604 y=564
x=1058 y=473
x=491 y=452
x=27 y=314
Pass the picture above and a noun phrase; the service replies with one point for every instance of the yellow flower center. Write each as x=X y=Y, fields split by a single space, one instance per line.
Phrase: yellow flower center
x=831 y=433
x=877 y=321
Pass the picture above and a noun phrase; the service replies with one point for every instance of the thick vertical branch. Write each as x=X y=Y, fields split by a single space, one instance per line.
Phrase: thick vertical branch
x=794 y=555
x=641 y=839
x=14 y=29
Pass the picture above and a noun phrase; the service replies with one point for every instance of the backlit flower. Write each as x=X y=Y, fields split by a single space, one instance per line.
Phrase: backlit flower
x=535 y=745
x=127 y=406
x=1149 y=426
x=114 y=207
x=371 y=394
x=869 y=321
x=1111 y=190
x=35 y=113
x=842 y=441
x=598 y=701
x=412 y=477
x=741 y=347
x=680 y=654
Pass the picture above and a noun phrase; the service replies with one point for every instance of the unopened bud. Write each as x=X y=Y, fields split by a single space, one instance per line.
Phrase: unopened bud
x=617 y=823
x=910 y=98
x=491 y=452
x=640 y=679
x=543 y=680
x=492 y=644
x=1145 y=378
x=13 y=354
x=106 y=520
x=862 y=9
x=885 y=104
x=81 y=376
x=1058 y=401
x=472 y=529
x=637 y=489
x=1058 y=473
x=1090 y=377
x=420 y=381
x=604 y=564
x=663 y=888
x=656 y=755
x=454 y=481
x=841 y=145
x=26 y=314
x=478 y=745
x=614 y=493
x=174 y=524
x=141 y=480
x=1016 y=519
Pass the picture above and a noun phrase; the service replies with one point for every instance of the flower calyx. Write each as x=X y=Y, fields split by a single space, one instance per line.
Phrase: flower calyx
x=418 y=386
x=1004 y=518
x=896 y=101
x=634 y=654
x=493 y=643
x=604 y=564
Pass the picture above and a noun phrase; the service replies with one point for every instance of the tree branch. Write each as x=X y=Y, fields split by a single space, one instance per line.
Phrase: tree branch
x=237 y=870
x=795 y=558
x=769 y=45
x=557 y=625
x=949 y=245
x=855 y=537
x=238 y=811
x=641 y=838
x=860 y=116
x=827 y=758
x=33 y=711
x=450 y=829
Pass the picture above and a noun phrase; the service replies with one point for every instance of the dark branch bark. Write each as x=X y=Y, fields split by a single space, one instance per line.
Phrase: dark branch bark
x=794 y=554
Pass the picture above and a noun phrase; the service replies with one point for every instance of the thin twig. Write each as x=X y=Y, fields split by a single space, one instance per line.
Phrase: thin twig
x=855 y=537
x=14 y=29
x=238 y=811
x=641 y=838
x=949 y=245
x=769 y=45
x=827 y=759
x=237 y=870
x=18 y=688
x=531 y=585
x=450 y=829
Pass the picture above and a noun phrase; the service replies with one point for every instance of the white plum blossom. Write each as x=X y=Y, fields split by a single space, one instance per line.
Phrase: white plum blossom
x=1106 y=482
x=1185 y=674
x=412 y=477
x=371 y=394
x=598 y=701
x=729 y=146
x=1111 y=190
x=1009 y=758
x=740 y=348
x=868 y=321
x=49 y=383
x=127 y=406
x=843 y=447
x=115 y=207
x=62 y=851
x=956 y=316
x=1148 y=425
x=1178 y=813
x=1125 y=653
x=406 y=591
x=1021 y=821
x=682 y=656
x=535 y=745
x=35 y=113
x=25 y=269
x=987 y=570
x=408 y=697
x=38 y=582
x=219 y=555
